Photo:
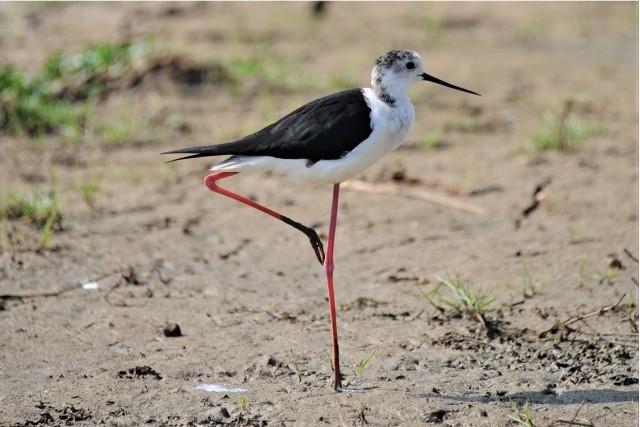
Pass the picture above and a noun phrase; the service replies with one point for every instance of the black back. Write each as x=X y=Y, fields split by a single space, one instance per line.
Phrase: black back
x=324 y=129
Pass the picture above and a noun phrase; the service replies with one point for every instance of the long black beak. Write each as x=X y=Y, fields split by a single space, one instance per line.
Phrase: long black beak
x=429 y=78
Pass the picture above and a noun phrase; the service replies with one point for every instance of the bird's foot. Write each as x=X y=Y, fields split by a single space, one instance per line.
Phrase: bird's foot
x=316 y=244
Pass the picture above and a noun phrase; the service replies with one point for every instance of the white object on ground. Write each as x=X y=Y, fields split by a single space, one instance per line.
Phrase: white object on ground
x=219 y=388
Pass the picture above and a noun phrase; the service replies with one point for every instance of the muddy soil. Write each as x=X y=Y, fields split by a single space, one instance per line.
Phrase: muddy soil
x=156 y=286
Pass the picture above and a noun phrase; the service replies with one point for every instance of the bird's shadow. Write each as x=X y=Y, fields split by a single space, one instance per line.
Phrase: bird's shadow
x=545 y=397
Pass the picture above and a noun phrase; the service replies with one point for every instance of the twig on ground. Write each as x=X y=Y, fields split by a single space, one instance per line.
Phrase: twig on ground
x=565 y=143
x=130 y=276
x=514 y=304
x=537 y=198
x=361 y=417
x=111 y=289
x=585 y=423
x=574 y=421
x=414 y=193
x=630 y=255
x=53 y=293
x=573 y=319
x=411 y=319
x=629 y=311
x=50 y=293
x=632 y=323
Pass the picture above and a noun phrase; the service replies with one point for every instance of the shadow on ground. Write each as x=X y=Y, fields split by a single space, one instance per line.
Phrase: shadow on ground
x=546 y=397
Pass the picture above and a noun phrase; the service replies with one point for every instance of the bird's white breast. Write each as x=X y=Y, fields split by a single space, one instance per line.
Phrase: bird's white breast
x=392 y=121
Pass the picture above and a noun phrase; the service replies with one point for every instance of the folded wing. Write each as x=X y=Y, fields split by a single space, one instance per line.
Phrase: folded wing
x=324 y=129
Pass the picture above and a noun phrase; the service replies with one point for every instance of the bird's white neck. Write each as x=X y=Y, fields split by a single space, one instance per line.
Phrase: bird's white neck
x=389 y=89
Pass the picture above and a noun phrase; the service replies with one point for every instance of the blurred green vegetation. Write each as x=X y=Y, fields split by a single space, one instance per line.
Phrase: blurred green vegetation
x=432 y=140
x=39 y=210
x=47 y=103
x=90 y=191
x=561 y=131
x=530 y=32
x=127 y=127
x=471 y=123
x=275 y=71
x=27 y=106
x=432 y=28
x=34 y=209
x=80 y=75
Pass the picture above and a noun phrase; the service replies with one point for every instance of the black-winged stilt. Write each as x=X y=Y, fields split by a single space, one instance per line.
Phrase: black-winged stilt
x=327 y=140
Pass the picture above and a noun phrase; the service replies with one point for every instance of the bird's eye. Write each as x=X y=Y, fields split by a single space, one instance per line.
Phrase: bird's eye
x=411 y=65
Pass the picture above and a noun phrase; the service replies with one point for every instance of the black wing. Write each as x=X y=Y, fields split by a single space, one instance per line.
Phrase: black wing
x=324 y=129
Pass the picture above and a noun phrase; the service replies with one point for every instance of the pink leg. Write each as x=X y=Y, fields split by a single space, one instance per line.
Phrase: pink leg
x=211 y=184
x=328 y=268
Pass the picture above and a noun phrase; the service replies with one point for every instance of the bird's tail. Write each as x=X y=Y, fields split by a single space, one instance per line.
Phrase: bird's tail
x=204 y=151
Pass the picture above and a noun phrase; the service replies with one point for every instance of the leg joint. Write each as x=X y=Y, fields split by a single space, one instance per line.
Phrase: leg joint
x=210 y=180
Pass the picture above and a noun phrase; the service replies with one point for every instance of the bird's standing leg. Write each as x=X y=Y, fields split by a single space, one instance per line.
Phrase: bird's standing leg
x=328 y=268
x=211 y=184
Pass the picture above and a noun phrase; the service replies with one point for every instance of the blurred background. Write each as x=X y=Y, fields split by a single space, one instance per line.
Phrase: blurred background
x=545 y=163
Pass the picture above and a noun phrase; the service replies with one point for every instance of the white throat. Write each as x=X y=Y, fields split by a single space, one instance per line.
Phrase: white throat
x=390 y=88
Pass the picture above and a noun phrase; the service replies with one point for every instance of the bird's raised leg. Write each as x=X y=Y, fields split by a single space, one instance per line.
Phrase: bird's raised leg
x=328 y=268
x=210 y=181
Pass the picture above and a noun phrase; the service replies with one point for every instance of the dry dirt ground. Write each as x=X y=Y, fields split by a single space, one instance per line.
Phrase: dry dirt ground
x=247 y=292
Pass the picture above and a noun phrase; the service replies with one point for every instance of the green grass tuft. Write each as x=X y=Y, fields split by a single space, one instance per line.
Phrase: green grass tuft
x=462 y=299
x=561 y=131
x=522 y=414
x=242 y=402
x=609 y=276
x=38 y=210
x=294 y=367
x=360 y=367
x=89 y=192
x=631 y=314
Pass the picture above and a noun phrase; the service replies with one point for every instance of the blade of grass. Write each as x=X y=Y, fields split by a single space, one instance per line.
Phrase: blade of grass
x=360 y=367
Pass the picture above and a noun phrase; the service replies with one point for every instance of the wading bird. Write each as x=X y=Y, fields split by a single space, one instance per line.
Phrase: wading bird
x=327 y=140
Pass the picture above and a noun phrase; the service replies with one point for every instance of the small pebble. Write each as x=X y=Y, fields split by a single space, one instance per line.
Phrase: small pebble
x=172 y=330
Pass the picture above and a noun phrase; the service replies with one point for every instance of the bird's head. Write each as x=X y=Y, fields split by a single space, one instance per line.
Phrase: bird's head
x=398 y=69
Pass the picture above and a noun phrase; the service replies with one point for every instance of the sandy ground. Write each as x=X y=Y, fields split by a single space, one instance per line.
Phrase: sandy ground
x=248 y=294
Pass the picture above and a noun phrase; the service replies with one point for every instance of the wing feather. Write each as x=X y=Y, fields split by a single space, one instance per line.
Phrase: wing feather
x=323 y=129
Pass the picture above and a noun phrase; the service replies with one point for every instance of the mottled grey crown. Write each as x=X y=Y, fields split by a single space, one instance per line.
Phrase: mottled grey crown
x=392 y=65
x=389 y=59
